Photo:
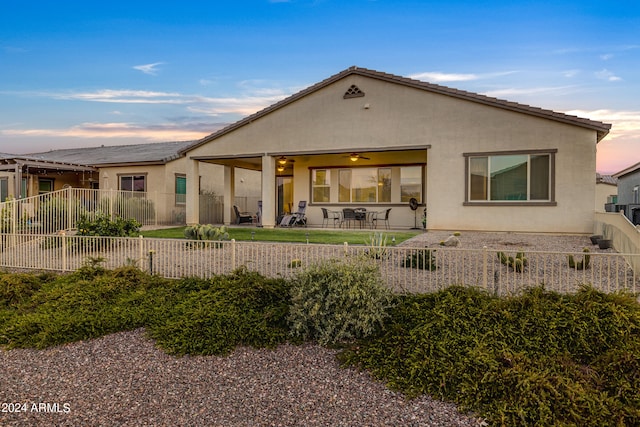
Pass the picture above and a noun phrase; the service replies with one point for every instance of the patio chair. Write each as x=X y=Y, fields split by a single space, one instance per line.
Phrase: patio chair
x=242 y=217
x=297 y=218
x=328 y=215
x=300 y=217
x=348 y=215
x=384 y=216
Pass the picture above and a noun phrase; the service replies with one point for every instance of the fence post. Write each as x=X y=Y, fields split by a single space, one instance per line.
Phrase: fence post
x=63 y=236
x=14 y=216
x=233 y=254
x=157 y=206
x=111 y=195
x=485 y=279
x=69 y=210
x=141 y=251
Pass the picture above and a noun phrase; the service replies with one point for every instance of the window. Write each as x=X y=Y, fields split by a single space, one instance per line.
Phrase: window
x=636 y=194
x=368 y=185
x=411 y=183
x=45 y=185
x=513 y=177
x=23 y=188
x=181 y=189
x=133 y=183
x=364 y=185
x=321 y=185
x=4 y=189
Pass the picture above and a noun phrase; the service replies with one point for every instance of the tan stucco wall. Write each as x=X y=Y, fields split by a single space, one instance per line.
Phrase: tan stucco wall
x=401 y=116
x=603 y=191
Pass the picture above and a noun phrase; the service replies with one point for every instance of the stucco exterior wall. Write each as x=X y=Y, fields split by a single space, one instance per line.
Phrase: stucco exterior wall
x=392 y=116
x=603 y=191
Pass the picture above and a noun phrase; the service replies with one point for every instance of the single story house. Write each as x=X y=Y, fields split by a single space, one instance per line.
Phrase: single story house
x=367 y=139
x=157 y=169
x=629 y=192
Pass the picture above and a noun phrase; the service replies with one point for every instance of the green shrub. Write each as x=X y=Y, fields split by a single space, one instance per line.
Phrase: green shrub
x=17 y=288
x=206 y=233
x=334 y=301
x=424 y=259
x=103 y=225
x=216 y=315
x=377 y=246
x=80 y=306
x=540 y=358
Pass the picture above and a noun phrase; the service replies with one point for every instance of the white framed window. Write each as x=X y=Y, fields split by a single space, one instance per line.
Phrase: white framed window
x=368 y=184
x=321 y=185
x=4 y=189
x=411 y=184
x=514 y=177
x=45 y=185
x=181 y=189
x=133 y=182
x=636 y=194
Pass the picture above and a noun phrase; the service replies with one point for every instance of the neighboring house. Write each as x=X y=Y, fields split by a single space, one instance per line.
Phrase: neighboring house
x=26 y=176
x=606 y=193
x=629 y=192
x=155 y=168
x=363 y=138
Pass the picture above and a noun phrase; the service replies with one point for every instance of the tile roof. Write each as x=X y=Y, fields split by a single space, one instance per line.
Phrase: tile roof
x=601 y=128
x=630 y=169
x=606 y=179
x=156 y=153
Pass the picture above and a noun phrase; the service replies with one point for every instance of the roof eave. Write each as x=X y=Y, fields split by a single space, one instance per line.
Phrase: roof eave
x=602 y=129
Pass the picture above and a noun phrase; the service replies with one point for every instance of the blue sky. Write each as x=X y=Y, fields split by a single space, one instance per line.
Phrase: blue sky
x=78 y=74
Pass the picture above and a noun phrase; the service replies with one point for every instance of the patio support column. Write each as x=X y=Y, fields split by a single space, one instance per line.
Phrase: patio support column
x=193 y=192
x=18 y=182
x=229 y=194
x=268 y=191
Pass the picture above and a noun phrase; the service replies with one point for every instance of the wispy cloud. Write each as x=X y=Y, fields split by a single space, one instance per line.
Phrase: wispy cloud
x=437 y=76
x=120 y=96
x=151 y=69
x=607 y=75
x=620 y=148
x=570 y=73
x=606 y=56
x=508 y=92
x=624 y=123
x=249 y=101
x=163 y=132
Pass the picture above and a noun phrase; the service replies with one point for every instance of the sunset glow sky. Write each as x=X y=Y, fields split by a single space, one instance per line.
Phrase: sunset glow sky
x=81 y=74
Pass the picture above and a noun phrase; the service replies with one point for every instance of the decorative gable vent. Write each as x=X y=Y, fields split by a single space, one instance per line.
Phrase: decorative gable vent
x=353 y=92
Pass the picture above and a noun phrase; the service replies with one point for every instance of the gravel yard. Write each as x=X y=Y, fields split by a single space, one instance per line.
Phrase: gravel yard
x=122 y=379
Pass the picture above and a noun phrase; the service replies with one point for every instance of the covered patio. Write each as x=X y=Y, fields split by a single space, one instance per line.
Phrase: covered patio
x=367 y=189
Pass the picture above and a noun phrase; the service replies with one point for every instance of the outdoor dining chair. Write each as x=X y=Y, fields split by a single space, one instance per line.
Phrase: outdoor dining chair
x=328 y=215
x=381 y=216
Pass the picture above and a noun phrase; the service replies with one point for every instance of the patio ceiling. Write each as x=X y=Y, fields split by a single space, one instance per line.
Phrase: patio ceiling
x=254 y=161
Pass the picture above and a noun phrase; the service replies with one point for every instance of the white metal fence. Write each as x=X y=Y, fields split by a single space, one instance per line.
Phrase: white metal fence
x=61 y=210
x=624 y=235
x=404 y=269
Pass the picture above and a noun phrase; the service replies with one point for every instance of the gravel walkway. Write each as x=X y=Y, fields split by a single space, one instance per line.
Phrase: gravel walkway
x=123 y=380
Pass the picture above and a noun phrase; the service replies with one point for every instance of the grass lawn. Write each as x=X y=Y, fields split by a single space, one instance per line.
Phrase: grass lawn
x=293 y=235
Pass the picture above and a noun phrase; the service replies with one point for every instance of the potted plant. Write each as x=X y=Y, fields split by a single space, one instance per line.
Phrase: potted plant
x=604 y=243
x=595 y=238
